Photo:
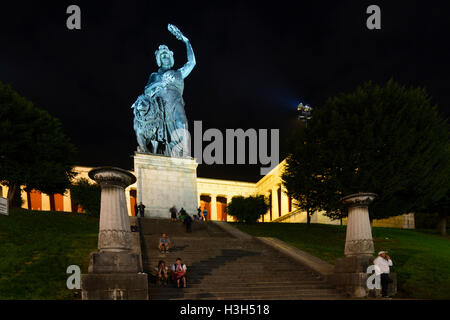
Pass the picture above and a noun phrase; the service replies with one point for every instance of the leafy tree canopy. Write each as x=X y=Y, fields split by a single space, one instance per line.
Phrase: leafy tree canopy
x=34 y=150
x=387 y=139
x=249 y=209
x=87 y=195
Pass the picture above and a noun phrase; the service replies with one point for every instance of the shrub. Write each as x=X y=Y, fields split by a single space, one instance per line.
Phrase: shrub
x=87 y=195
x=247 y=210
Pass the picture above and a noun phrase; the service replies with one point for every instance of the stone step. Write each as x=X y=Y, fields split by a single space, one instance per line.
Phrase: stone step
x=246 y=279
x=249 y=276
x=273 y=297
x=234 y=295
x=221 y=266
x=234 y=270
x=242 y=288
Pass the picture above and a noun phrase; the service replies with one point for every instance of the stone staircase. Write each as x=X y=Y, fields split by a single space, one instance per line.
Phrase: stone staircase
x=221 y=266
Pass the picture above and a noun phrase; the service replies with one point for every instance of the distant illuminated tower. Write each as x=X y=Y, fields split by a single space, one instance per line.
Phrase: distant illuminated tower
x=304 y=112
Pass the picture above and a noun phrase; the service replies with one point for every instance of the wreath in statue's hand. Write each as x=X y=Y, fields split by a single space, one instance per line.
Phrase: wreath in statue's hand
x=176 y=32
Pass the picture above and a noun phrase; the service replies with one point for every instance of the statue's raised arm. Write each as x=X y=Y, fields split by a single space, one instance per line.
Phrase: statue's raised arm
x=190 y=64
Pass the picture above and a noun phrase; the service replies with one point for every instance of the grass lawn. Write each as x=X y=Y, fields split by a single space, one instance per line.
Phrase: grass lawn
x=36 y=249
x=421 y=258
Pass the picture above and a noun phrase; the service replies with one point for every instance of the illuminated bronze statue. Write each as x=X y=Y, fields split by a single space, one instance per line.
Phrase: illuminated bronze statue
x=159 y=116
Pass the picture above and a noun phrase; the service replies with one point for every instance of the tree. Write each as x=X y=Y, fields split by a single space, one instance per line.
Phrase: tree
x=442 y=208
x=33 y=149
x=249 y=209
x=303 y=180
x=436 y=212
x=87 y=195
x=387 y=139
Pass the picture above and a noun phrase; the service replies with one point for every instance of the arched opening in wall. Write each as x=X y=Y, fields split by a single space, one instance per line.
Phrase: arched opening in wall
x=56 y=202
x=221 y=207
x=133 y=202
x=205 y=202
x=34 y=200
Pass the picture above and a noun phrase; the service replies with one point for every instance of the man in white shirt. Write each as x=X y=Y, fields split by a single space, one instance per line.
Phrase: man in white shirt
x=382 y=264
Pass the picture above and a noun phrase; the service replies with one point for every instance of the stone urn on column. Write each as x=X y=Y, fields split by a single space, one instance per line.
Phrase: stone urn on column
x=350 y=272
x=358 y=240
x=115 y=271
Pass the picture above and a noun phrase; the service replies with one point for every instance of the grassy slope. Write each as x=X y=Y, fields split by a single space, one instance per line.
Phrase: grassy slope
x=36 y=249
x=421 y=259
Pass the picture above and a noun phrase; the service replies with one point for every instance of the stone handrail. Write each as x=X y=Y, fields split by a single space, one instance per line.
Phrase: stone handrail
x=286 y=216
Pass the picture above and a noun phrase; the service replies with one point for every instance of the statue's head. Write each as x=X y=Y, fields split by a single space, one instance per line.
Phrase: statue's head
x=164 y=57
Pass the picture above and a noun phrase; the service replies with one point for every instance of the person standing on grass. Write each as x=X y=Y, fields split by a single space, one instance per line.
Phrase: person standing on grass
x=205 y=214
x=382 y=264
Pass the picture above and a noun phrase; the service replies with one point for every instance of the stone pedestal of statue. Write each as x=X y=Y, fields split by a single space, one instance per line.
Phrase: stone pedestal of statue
x=350 y=273
x=164 y=181
x=115 y=272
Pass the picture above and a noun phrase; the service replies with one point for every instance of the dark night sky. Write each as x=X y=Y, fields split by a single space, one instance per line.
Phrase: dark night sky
x=255 y=62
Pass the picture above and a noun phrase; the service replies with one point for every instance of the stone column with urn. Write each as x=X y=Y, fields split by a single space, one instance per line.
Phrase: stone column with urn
x=115 y=271
x=350 y=273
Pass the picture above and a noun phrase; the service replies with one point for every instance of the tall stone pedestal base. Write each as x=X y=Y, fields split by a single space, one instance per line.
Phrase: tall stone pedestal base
x=350 y=273
x=114 y=276
x=114 y=286
x=164 y=181
x=115 y=272
x=350 y=276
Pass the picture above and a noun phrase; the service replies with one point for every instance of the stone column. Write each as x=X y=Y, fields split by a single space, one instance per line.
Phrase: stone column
x=229 y=218
x=275 y=212
x=67 y=201
x=114 y=234
x=45 y=201
x=358 y=240
x=128 y=198
x=213 y=207
x=115 y=272
x=350 y=273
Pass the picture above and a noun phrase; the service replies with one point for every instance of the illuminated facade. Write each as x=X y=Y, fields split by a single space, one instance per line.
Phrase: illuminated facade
x=214 y=194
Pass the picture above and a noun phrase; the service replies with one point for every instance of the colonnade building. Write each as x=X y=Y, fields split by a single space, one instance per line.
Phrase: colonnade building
x=214 y=194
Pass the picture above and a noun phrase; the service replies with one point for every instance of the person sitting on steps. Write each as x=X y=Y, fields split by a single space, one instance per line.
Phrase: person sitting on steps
x=162 y=271
x=179 y=272
x=164 y=243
